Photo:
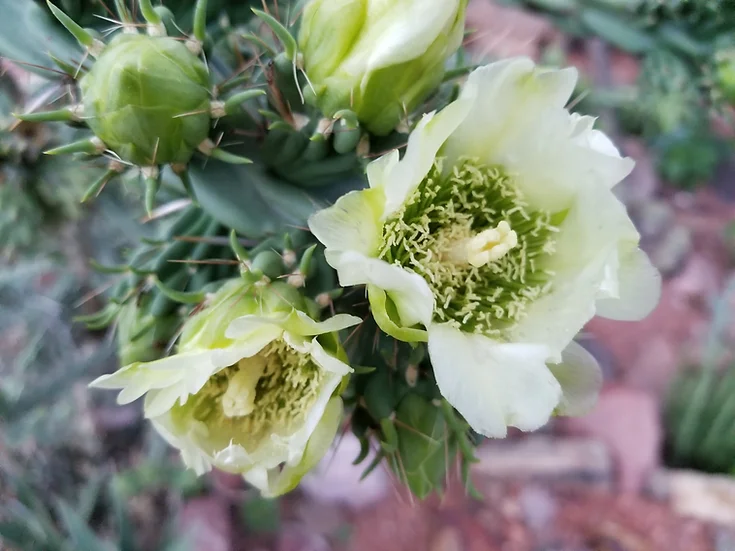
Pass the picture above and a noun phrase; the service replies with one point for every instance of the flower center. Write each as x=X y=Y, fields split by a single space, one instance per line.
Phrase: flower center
x=259 y=396
x=485 y=247
x=481 y=248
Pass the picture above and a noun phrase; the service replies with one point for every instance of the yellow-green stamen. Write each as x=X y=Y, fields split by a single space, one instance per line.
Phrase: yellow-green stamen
x=476 y=242
x=259 y=396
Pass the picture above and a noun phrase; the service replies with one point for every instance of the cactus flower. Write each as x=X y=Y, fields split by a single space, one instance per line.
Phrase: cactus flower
x=496 y=238
x=251 y=388
x=379 y=58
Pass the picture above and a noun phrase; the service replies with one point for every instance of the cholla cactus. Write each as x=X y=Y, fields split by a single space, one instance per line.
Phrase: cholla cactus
x=147 y=98
x=483 y=249
x=36 y=192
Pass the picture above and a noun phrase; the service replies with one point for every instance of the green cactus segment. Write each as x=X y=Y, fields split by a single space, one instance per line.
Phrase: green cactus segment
x=90 y=146
x=149 y=13
x=68 y=114
x=84 y=37
x=148 y=99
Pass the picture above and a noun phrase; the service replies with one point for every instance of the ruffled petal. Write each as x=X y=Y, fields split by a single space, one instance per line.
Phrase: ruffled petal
x=580 y=378
x=275 y=482
x=638 y=289
x=138 y=378
x=301 y=323
x=493 y=385
x=352 y=223
x=400 y=179
x=328 y=362
x=186 y=440
x=519 y=122
x=246 y=348
x=585 y=260
x=410 y=294
x=508 y=98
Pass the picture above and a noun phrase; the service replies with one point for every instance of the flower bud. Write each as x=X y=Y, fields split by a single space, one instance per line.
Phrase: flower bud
x=379 y=58
x=147 y=98
x=253 y=388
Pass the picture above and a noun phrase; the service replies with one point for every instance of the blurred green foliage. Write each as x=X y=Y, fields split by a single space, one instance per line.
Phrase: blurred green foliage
x=699 y=414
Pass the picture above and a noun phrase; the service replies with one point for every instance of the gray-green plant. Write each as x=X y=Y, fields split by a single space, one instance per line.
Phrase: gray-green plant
x=699 y=413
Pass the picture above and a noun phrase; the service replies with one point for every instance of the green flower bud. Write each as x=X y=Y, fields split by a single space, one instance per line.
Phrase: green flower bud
x=379 y=58
x=253 y=388
x=148 y=99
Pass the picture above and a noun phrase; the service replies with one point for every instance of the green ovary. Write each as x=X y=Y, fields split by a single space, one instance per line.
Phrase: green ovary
x=478 y=289
x=268 y=394
x=148 y=99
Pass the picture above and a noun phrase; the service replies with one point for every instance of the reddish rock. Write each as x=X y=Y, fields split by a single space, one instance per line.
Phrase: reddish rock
x=337 y=481
x=505 y=31
x=296 y=537
x=627 y=420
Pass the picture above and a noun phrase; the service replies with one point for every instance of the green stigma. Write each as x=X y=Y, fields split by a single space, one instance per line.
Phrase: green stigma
x=474 y=239
x=267 y=394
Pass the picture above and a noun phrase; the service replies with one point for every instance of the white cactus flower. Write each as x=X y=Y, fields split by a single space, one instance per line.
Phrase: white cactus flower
x=496 y=238
x=252 y=389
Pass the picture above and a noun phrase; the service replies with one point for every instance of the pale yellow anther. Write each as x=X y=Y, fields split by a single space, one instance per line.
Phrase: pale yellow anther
x=490 y=245
x=239 y=398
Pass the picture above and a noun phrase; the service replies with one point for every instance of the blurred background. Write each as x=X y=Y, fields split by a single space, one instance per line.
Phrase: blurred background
x=651 y=469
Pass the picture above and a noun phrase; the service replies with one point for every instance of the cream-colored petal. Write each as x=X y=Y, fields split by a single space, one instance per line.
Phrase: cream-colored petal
x=409 y=292
x=137 y=379
x=493 y=385
x=185 y=439
x=243 y=327
x=638 y=289
x=246 y=348
x=406 y=31
x=596 y=226
x=352 y=223
x=233 y=459
x=275 y=482
x=400 y=179
x=328 y=362
x=296 y=441
x=301 y=323
x=580 y=378
x=508 y=98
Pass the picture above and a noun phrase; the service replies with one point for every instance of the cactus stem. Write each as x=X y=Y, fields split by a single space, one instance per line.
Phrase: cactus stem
x=96 y=188
x=68 y=68
x=123 y=12
x=182 y=171
x=210 y=149
x=149 y=14
x=91 y=146
x=82 y=36
x=230 y=106
x=200 y=21
x=152 y=185
x=281 y=33
x=68 y=114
